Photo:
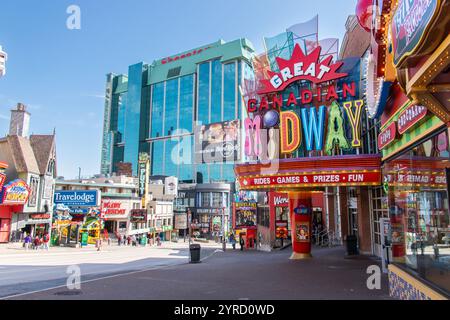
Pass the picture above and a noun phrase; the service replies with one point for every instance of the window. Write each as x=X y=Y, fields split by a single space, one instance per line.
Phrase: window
x=229 y=91
x=217 y=199
x=158 y=157
x=378 y=211
x=173 y=72
x=51 y=167
x=122 y=224
x=205 y=199
x=216 y=91
x=419 y=209
x=186 y=102
x=171 y=107
x=157 y=110
x=263 y=216
x=34 y=183
x=203 y=93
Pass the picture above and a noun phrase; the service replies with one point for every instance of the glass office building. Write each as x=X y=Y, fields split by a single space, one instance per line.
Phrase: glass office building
x=156 y=107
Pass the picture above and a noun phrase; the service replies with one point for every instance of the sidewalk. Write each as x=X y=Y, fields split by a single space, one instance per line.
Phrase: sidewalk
x=249 y=275
x=17 y=247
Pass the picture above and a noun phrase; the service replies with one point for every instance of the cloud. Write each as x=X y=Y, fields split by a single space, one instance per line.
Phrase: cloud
x=3 y=117
x=95 y=95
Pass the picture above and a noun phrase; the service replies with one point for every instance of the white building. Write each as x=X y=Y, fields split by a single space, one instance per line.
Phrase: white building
x=33 y=160
x=3 y=58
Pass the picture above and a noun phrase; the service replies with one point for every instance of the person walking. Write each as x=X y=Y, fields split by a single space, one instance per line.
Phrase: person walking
x=233 y=241
x=241 y=242
x=27 y=242
x=36 y=242
x=45 y=240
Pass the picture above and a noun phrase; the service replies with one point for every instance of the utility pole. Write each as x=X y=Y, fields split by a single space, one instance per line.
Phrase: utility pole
x=79 y=173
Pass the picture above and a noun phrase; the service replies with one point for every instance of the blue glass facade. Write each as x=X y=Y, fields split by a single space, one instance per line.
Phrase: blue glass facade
x=156 y=107
x=133 y=116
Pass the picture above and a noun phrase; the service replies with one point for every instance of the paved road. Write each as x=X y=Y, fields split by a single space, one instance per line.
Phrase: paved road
x=22 y=272
x=238 y=275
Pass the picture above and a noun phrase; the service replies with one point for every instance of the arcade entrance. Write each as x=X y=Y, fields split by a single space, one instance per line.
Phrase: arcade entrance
x=324 y=200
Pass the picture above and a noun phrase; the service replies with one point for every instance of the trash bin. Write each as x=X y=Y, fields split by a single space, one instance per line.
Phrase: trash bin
x=195 y=253
x=351 y=243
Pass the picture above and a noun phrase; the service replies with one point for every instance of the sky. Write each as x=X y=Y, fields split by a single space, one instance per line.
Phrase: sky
x=59 y=74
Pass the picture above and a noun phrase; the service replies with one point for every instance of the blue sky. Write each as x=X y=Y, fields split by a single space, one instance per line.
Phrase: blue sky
x=60 y=73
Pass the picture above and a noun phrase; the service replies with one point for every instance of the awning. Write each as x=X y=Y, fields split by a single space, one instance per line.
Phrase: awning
x=347 y=170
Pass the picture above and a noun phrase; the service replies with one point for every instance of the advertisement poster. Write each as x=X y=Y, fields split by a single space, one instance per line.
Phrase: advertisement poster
x=302 y=231
x=245 y=214
x=217 y=142
x=16 y=192
x=217 y=223
x=281 y=229
x=180 y=221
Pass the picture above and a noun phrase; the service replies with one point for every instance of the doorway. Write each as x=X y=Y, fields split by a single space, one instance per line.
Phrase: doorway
x=5 y=228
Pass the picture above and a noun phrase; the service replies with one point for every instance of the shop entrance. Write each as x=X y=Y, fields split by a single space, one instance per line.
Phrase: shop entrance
x=4 y=230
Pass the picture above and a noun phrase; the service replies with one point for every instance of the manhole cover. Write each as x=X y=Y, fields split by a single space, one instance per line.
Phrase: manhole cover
x=68 y=293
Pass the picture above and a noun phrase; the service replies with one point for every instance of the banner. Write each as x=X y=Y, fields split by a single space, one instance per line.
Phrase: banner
x=307 y=179
x=144 y=172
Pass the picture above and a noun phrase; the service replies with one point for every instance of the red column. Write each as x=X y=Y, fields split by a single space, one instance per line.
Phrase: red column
x=300 y=211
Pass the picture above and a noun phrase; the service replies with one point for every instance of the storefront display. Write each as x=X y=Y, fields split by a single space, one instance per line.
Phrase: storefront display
x=418 y=208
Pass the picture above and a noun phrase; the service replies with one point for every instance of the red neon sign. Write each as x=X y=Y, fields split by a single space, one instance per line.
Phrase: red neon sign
x=301 y=67
x=312 y=179
x=387 y=136
x=184 y=55
x=409 y=117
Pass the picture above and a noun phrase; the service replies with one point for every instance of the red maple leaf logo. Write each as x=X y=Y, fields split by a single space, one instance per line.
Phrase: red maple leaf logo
x=301 y=67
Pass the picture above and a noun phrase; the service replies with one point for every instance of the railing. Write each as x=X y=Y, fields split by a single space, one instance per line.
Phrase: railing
x=326 y=238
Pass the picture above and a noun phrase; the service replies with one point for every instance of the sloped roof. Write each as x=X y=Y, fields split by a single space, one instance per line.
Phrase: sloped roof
x=42 y=146
x=22 y=153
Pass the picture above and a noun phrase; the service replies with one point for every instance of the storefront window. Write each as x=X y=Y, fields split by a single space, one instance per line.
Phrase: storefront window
x=34 y=182
x=206 y=199
x=419 y=209
x=217 y=199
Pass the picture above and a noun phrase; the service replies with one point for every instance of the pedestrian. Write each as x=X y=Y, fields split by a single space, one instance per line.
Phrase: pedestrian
x=133 y=240
x=124 y=240
x=233 y=242
x=119 y=239
x=128 y=240
x=45 y=240
x=158 y=240
x=241 y=242
x=27 y=242
x=36 y=242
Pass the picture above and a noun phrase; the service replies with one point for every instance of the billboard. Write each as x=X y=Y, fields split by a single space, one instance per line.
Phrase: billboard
x=16 y=192
x=171 y=186
x=181 y=221
x=144 y=172
x=217 y=142
x=87 y=198
x=245 y=214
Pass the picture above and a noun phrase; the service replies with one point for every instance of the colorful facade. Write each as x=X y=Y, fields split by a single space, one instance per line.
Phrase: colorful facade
x=409 y=65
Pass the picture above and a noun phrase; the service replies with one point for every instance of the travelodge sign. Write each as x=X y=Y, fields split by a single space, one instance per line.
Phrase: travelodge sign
x=15 y=193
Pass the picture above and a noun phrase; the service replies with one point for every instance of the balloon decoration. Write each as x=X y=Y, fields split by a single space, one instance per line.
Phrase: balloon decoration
x=364 y=10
